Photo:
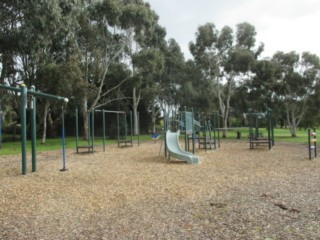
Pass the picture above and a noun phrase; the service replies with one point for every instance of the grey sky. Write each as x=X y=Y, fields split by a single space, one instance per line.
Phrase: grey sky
x=282 y=25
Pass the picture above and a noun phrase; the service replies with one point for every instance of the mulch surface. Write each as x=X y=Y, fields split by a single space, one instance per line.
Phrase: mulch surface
x=135 y=193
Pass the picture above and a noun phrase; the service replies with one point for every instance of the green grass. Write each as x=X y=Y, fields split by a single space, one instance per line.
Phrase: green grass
x=14 y=147
x=281 y=135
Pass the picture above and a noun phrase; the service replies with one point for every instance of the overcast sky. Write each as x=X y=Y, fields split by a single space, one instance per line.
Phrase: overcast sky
x=282 y=25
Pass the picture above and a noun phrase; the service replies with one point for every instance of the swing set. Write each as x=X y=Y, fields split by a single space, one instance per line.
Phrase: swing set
x=24 y=92
x=256 y=138
x=123 y=140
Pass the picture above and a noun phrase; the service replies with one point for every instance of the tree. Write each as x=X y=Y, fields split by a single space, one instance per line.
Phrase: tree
x=227 y=60
x=36 y=37
x=296 y=82
x=148 y=64
x=108 y=28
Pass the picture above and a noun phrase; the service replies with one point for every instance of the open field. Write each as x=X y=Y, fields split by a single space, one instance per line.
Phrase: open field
x=133 y=193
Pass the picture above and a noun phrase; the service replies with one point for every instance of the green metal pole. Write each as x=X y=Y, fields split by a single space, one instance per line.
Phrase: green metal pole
x=218 y=124
x=269 y=129
x=193 y=132
x=125 y=127
x=104 y=130
x=46 y=95
x=138 y=128
x=165 y=129
x=64 y=160
x=24 y=129
x=15 y=89
x=118 y=128
x=92 y=130
x=272 y=127
x=89 y=128
x=315 y=142
x=186 y=140
x=309 y=143
x=250 y=124
x=77 y=130
x=33 y=132
x=131 y=129
x=0 y=124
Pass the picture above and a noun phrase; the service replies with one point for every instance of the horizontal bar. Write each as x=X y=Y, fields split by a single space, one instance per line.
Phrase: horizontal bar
x=108 y=111
x=35 y=93
x=15 y=89
x=46 y=95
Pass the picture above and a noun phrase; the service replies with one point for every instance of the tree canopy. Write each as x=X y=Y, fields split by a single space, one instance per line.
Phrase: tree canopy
x=114 y=54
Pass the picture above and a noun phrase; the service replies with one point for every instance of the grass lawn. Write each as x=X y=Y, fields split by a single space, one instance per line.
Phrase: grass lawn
x=14 y=147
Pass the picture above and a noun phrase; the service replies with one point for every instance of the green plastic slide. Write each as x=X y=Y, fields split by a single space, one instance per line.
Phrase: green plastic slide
x=173 y=146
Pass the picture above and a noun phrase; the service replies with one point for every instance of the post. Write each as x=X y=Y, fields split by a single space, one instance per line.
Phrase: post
x=77 y=131
x=23 y=129
x=34 y=131
x=218 y=124
x=92 y=130
x=269 y=129
x=272 y=127
x=125 y=128
x=104 y=130
x=89 y=128
x=138 y=128
x=192 y=129
x=0 y=124
x=309 y=143
x=64 y=161
x=131 y=129
x=118 y=129
x=315 y=142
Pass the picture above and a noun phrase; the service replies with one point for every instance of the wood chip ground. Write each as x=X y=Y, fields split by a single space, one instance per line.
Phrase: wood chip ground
x=135 y=193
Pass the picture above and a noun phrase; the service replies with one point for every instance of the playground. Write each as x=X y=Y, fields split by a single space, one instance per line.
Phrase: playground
x=136 y=193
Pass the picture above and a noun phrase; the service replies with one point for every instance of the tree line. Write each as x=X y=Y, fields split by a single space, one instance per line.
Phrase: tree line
x=113 y=54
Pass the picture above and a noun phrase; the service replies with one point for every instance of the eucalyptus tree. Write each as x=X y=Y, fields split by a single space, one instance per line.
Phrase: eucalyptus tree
x=10 y=16
x=298 y=78
x=260 y=90
x=38 y=40
x=195 y=90
x=148 y=64
x=108 y=28
x=227 y=59
x=171 y=80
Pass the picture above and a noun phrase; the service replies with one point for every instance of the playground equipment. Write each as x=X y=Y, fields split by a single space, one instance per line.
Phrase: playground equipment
x=24 y=92
x=312 y=143
x=185 y=122
x=204 y=128
x=197 y=131
x=155 y=137
x=256 y=138
x=91 y=130
x=174 y=149
x=0 y=124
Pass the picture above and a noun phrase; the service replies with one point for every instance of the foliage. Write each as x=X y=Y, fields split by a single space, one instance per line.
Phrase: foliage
x=114 y=54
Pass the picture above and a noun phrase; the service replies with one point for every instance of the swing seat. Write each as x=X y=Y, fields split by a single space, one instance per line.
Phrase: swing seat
x=155 y=137
x=88 y=147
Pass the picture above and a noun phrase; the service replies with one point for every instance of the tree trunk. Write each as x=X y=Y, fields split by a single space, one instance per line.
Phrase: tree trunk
x=153 y=118
x=52 y=126
x=45 y=115
x=84 y=111
x=136 y=100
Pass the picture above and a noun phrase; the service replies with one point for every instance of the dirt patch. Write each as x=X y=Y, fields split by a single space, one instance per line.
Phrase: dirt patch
x=134 y=193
